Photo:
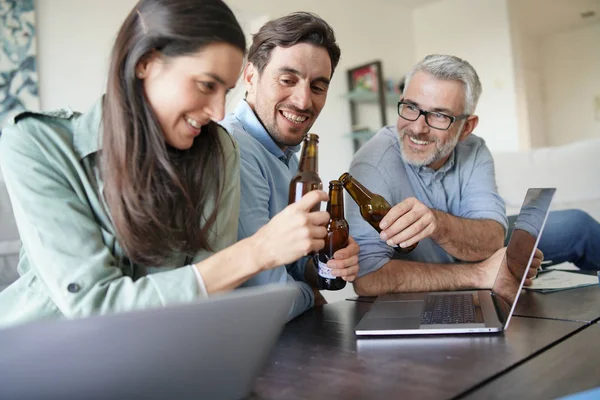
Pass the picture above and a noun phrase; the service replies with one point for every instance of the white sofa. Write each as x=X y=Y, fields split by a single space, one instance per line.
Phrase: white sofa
x=573 y=169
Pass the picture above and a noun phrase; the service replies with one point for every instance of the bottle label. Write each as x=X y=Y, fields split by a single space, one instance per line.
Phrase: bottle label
x=323 y=270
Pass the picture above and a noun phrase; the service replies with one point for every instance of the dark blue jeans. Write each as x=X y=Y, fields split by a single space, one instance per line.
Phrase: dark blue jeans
x=569 y=235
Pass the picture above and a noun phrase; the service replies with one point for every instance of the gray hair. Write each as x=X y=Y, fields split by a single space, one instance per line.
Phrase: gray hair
x=452 y=68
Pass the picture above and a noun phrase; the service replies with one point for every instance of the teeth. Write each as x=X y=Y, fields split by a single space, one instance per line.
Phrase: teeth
x=421 y=142
x=193 y=122
x=294 y=118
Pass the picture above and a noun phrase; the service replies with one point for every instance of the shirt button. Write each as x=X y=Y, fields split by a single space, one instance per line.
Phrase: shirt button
x=73 y=287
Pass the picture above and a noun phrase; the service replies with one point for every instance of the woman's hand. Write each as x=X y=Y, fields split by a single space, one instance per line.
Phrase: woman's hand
x=293 y=233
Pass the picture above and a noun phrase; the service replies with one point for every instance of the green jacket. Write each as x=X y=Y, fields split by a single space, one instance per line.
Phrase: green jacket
x=71 y=264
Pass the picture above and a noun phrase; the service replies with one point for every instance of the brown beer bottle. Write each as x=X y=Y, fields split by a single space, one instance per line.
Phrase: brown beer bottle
x=307 y=177
x=337 y=238
x=372 y=206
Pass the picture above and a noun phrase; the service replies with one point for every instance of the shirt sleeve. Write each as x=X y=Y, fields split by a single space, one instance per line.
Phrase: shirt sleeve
x=62 y=239
x=296 y=269
x=201 y=284
x=374 y=252
x=254 y=214
x=533 y=212
x=303 y=301
x=479 y=197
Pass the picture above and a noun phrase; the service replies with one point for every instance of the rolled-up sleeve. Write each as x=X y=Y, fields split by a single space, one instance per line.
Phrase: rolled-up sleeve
x=479 y=194
x=374 y=252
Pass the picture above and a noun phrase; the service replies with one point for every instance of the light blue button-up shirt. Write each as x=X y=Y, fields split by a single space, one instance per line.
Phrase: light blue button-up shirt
x=465 y=186
x=265 y=172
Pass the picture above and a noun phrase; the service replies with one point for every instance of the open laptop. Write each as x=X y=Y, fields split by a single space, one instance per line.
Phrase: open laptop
x=470 y=311
x=211 y=349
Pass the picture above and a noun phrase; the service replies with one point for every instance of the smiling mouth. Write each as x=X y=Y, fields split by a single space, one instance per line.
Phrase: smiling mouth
x=193 y=123
x=419 y=142
x=294 y=118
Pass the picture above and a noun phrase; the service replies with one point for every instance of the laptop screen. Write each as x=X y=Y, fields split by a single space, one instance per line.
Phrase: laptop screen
x=520 y=250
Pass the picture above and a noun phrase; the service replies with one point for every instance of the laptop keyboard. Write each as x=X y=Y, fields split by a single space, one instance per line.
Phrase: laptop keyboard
x=448 y=309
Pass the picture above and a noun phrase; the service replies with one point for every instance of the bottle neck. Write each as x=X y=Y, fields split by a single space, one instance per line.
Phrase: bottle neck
x=335 y=205
x=309 y=161
x=359 y=193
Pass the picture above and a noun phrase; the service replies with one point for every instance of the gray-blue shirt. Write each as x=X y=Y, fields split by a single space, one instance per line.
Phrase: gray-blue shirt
x=465 y=186
x=265 y=174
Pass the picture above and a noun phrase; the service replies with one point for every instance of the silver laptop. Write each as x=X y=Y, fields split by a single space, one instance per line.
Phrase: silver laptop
x=470 y=311
x=212 y=349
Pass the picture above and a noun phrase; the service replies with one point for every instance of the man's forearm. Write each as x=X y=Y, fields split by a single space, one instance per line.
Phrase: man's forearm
x=410 y=276
x=468 y=239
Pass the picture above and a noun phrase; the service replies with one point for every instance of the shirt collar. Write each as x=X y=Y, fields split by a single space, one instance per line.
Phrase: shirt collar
x=440 y=172
x=255 y=128
x=87 y=138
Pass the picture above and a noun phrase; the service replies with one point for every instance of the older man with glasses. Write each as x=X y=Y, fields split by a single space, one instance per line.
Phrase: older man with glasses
x=440 y=179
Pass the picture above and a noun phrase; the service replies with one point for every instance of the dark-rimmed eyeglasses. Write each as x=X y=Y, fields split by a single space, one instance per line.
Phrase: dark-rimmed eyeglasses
x=434 y=119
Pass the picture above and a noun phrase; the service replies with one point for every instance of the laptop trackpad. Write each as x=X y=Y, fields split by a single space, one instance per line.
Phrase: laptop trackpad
x=397 y=309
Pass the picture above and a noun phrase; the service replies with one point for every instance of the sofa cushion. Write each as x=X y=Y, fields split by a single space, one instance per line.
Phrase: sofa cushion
x=571 y=168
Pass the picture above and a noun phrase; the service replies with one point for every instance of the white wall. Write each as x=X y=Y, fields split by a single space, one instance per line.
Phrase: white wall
x=528 y=85
x=571 y=74
x=479 y=32
x=74 y=43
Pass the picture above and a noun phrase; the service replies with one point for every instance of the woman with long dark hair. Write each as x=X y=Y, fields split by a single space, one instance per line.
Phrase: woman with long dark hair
x=135 y=203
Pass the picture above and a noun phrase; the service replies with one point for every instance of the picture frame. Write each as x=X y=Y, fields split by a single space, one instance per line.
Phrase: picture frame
x=365 y=78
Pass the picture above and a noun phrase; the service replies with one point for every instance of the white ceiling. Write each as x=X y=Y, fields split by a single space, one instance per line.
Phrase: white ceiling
x=535 y=17
x=547 y=17
x=411 y=3
x=538 y=17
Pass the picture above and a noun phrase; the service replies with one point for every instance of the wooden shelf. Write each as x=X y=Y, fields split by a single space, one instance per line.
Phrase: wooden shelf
x=366 y=86
x=361 y=135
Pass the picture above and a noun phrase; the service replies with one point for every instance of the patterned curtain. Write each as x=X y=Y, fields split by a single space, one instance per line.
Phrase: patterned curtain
x=18 y=72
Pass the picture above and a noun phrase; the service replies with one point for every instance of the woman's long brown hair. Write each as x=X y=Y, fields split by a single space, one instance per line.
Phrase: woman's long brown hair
x=157 y=195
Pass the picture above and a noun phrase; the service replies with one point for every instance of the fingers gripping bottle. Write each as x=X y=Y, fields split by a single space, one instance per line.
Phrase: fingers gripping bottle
x=372 y=206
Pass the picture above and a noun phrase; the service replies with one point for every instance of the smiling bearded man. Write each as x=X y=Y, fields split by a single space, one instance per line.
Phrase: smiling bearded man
x=440 y=180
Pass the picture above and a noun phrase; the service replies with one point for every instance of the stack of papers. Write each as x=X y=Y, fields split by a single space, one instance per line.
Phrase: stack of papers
x=555 y=280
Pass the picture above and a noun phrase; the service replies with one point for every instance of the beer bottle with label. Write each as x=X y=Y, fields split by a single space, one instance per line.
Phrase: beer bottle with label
x=307 y=177
x=337 y=238
x=372 y=206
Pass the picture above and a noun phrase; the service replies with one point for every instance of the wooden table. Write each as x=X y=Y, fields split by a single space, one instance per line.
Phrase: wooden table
x=568 y=368
x=582 y=304
x=319 y=356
